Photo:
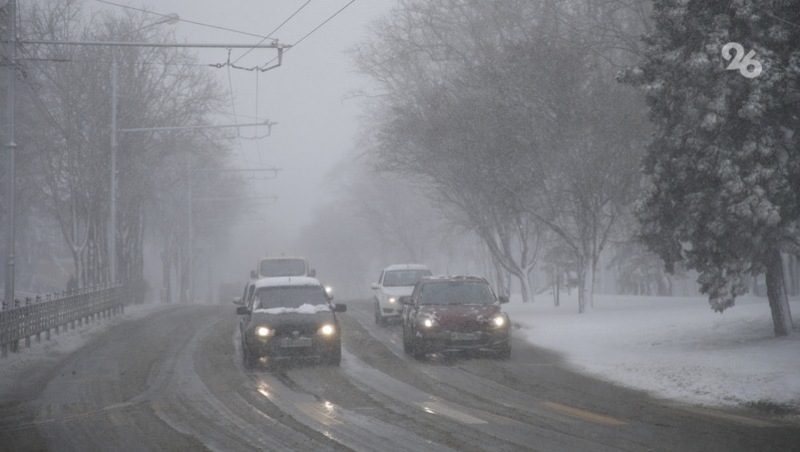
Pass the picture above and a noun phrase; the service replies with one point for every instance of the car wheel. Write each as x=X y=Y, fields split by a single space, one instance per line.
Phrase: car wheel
x=248 y=359
x=417 y=349
x=406 y=342
x=378 y=316
x=504 y=352
x=335 y=359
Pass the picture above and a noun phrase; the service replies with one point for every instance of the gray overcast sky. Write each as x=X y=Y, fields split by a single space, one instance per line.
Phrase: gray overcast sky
x=306 y=96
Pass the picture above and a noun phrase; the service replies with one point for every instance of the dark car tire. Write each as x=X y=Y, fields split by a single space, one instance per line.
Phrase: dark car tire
x=248 y=359
x=378 y=317
x=417 y=349
x=334 y=360
x=335 y=357
x=504 y=352
x=406 y=344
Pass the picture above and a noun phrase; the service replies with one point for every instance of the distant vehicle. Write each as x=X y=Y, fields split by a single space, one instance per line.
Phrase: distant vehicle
x=455 y=313
x=289 y=318
x=273 y=267
x=394 y=282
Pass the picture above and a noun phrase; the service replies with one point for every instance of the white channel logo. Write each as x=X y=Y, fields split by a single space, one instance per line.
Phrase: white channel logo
x=746 y=65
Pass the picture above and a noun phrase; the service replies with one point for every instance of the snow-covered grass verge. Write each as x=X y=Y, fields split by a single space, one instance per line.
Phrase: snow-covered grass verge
x=16 y=365
x=673 y=347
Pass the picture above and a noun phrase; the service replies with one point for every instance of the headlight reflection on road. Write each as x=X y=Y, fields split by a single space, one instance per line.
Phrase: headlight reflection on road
x=263 y=389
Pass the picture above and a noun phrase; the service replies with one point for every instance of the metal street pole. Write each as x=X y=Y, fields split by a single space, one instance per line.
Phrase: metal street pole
x=189 y=173
x=112 y=221
x=190 y=227
x=112 y=226
x=11 y=189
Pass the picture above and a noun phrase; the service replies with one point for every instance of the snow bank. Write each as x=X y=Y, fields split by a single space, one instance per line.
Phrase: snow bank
x=672 y=347
x=303 y=309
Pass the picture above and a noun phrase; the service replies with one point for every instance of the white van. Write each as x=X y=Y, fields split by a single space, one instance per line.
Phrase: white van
x=276 y=267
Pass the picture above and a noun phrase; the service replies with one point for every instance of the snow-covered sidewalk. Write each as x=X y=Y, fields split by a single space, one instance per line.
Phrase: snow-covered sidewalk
x=673 y=347
x=18 y=364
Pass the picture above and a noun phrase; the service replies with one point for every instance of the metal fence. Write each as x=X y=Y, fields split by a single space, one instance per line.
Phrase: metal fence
x=25 y=319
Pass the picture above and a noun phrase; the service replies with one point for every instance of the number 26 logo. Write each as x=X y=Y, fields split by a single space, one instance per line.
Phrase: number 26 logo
x=740 y=61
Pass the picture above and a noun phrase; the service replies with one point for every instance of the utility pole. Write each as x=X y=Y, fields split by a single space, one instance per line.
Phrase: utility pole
x=112 y=226
x=11 y=145
x=190 y=227
x=112 y=223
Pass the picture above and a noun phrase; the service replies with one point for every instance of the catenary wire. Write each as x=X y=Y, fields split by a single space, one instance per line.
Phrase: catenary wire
x=269 y=35
x=193 y=22
x=314 y=30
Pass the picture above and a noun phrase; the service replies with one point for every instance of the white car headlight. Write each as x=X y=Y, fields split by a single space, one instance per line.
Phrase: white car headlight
x=327 y=330
x=499 y=321
x=428 y=323
x=392 y=299
x=263 y=331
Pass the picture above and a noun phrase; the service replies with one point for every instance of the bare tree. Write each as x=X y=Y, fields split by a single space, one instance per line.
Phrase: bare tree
x=71 y=86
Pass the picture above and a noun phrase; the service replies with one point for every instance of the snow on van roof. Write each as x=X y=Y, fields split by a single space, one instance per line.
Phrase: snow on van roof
x=406 y=267
x=287 y=281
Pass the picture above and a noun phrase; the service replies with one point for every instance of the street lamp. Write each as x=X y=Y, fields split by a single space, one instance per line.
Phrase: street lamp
x=11 y=145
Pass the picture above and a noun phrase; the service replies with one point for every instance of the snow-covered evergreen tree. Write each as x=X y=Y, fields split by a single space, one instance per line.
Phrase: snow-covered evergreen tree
x=724 y=162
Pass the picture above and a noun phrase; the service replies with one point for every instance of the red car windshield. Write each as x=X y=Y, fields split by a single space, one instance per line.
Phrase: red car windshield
x=456 y=292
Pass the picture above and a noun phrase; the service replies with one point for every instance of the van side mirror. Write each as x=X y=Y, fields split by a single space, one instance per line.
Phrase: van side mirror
x=405 y=300
x=503 y=299
x=340 y=307
x=312 y=273
x=375 y=286
x=253 y=274
x=238 y=301
x=242 y=310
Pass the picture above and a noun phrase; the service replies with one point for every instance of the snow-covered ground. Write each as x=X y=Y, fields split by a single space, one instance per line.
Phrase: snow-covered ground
x=16 y=365
x=672 y=347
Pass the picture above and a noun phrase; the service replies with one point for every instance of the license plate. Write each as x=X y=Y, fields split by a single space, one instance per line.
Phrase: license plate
x=296 y=342
x=464 y=336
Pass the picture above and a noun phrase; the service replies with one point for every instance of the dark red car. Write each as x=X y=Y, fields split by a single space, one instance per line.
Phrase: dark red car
x=455 y=313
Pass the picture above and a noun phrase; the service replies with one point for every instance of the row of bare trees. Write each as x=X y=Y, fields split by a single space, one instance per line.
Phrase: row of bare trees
x=64 y=106
x=509 y=113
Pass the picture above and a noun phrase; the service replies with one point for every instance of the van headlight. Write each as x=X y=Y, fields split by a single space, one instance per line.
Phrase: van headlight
x=499 y=321
x=327 y=330
x=392 y=300
x=263 y=331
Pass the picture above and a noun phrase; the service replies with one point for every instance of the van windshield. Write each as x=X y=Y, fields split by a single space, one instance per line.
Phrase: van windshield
x=270 y=268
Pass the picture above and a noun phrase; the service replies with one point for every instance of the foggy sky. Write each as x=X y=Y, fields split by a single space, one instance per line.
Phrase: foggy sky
x=307 y=96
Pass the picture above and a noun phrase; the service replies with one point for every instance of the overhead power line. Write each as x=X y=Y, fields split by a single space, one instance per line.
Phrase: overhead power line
x=324 y=22
x=314 y=30
x=180 y=19
x=269 y=35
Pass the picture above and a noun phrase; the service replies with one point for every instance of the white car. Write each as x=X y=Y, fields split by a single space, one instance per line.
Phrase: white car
x=395 y=281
